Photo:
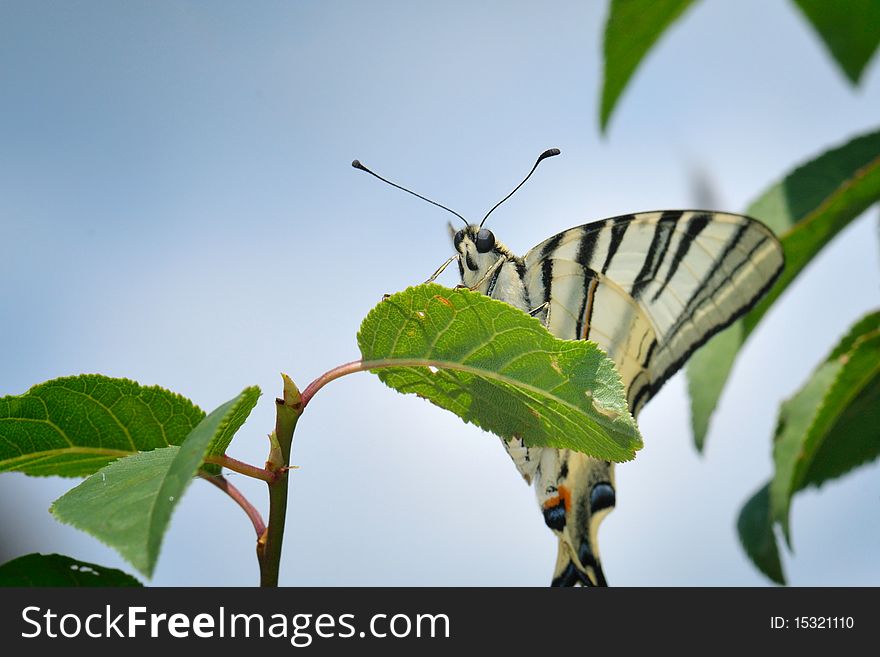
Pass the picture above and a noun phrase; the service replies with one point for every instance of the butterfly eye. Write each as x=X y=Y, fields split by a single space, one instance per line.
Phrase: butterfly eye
x=485 y=240
x=601 y=497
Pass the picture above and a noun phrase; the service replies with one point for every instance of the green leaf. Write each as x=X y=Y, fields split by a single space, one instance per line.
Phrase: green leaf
x=832 y=424
x=75 y=425
x=809 y=208
x=704 y=384
x=231 y=426
x=128 y=504
x=633 y=27
x=755 y=530
x=493 y=365
x=867 y=324
x=58 y=570
x=850 y=30
x=854 y=440
x=796 y=416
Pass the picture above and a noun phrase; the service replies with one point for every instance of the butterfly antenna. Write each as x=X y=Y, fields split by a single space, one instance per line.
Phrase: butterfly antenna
x=357 y=165
x=550 y=152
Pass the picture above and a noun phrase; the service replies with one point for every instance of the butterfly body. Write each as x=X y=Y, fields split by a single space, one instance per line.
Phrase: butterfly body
x=495 y=272
x=649 y=289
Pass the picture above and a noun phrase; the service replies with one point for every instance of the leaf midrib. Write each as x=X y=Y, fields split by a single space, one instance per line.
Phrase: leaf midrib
x=92 y=451
x=487 y=374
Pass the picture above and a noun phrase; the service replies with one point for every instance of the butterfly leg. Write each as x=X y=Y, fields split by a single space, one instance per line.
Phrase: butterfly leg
x=440 y=269
x=545 y=309
x=534 y=312
x=486 y=276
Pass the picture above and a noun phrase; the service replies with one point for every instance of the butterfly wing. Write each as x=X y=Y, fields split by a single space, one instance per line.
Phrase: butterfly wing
x=649 y=288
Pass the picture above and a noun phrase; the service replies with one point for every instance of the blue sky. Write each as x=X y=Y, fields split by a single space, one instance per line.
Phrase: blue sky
x=177 y=207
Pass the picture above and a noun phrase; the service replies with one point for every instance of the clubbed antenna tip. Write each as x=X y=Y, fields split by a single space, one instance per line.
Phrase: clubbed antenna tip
x=550 y=152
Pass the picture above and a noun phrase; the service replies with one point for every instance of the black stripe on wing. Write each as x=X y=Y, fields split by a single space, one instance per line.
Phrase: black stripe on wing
x=618 y=229
x=656 y=252
x=694 y=227
x=547 y=264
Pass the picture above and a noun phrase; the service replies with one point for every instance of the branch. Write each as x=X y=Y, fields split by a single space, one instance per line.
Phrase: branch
x=287 y=412
x=362 y=366
x=223 y=484
x=241 y=467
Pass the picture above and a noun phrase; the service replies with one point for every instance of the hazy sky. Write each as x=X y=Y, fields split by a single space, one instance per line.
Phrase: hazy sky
x=177 y=207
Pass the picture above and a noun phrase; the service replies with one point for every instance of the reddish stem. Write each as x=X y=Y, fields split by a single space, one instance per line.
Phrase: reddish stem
x=359 y=366
x=327 y=377
x=223 y=484
x=241 y=467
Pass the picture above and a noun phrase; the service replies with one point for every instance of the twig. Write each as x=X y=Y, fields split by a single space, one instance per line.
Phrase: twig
x=223 y=484
x=241 y=467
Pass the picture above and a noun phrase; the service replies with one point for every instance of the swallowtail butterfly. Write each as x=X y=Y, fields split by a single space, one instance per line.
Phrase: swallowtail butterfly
x=649 y=288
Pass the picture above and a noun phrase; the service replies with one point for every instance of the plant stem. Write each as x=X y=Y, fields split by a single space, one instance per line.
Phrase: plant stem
x=287 y=412
x=327 y=377
x=241 y=467
x=223 y=484
x=360 y=366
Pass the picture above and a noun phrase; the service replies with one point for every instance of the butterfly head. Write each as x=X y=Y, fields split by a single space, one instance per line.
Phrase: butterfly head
x=477 y=251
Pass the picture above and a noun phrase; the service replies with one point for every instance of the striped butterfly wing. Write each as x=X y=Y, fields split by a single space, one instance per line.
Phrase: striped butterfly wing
x=650 y=288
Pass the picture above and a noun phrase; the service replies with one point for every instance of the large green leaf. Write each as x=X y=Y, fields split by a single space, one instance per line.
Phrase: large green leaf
x=500 y=369
x=755 y=529
x=850 y=30
x=58 y=570
x=75 y=425
x=809 y=207
x=128 y=504
x=830 y=426
x=633 y=27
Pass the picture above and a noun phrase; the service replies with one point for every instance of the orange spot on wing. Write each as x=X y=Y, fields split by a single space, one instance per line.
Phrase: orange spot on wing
x=564 y=497
x=565 y=494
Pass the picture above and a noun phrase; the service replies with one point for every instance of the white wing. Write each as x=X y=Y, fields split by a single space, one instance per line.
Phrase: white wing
x=650 y=288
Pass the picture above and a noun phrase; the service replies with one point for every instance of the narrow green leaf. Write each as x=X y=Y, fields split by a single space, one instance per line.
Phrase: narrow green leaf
x=128 y=504
x=704 y=384
x=853 y=441
x=850 y=30
x=832 y=424
x=75 y=425
x=500 y=369
x=809 y=208
x=633 y=27
x=846 y=431
x=58 y=570
x=755 y=530
x=796 y=416
x=231 y=425
x=820 y=199
x=867 y=324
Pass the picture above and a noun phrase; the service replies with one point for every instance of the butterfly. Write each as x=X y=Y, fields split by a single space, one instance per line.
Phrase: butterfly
x=649 y=288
